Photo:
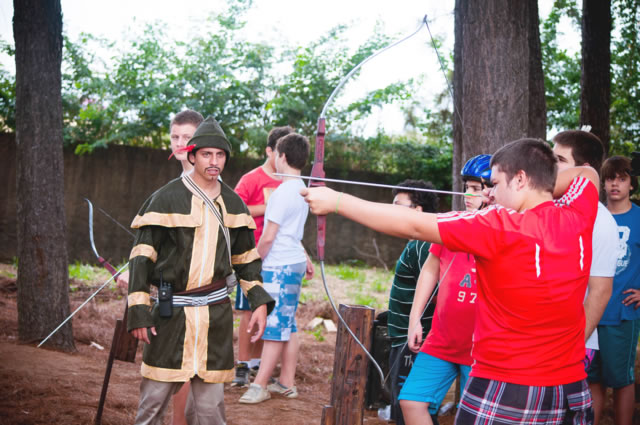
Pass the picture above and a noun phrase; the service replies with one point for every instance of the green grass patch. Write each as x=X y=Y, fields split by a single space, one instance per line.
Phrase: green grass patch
x=364 y=299
x=347 y=272
x=81 y=271
x=306 y=297
x=8 y=274
x=317 y=333
x=380 y=286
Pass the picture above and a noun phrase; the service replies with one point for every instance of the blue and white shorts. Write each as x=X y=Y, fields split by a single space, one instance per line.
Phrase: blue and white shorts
x=283 y=283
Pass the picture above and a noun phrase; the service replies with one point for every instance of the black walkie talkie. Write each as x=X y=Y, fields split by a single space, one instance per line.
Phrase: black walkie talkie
x=165 y=298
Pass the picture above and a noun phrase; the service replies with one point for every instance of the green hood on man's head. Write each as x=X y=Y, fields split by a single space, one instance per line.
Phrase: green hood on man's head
x=209 y=134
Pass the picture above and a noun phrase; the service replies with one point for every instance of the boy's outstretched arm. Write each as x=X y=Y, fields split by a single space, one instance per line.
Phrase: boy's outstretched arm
x=391 y=219
x=565 y=177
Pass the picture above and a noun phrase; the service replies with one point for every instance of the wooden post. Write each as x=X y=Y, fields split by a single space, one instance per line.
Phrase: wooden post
x=350 y=368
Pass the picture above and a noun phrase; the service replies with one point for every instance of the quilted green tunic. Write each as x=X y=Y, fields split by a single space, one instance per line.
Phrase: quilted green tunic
x=180 y=236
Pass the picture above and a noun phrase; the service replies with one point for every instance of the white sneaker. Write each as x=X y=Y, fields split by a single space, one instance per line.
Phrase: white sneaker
x=277 y=387
x=255 y=394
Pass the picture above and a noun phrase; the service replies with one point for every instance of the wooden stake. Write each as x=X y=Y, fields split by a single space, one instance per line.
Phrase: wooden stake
x=350 y=368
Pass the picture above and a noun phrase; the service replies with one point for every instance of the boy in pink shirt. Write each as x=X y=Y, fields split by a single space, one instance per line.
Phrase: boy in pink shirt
x=446 y=352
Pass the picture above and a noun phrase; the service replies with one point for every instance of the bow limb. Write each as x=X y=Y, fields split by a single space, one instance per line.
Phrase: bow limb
x=104 y=263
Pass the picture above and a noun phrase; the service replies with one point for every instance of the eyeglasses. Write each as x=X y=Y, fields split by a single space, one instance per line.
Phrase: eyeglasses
x=411 y=205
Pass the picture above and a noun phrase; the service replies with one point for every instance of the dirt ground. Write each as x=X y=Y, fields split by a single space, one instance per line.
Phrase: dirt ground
x=43 y=386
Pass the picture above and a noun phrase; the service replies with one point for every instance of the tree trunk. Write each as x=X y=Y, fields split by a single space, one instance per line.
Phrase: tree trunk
x=595 y=98
x=497 y=77
x=43 y=297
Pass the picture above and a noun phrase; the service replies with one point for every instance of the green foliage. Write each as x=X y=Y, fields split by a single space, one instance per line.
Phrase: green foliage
x=87 y=120
x=562 y=73
x=7 y=92
x=561 y=70
x=128 y=98
x=625 y=78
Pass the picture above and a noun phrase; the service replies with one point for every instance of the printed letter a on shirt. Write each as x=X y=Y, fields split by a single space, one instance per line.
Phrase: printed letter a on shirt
x=466 y=281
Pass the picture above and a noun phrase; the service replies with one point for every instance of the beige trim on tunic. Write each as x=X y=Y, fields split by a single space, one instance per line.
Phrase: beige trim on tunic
x=145 y=251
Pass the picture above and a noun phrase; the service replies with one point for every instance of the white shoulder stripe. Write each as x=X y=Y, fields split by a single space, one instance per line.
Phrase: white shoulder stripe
x=464 y=215
x=577 y=187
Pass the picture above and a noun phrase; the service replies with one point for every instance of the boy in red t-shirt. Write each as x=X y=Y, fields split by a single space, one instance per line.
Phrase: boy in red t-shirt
x=533 y=256
x=446 y=352
x=254 y=188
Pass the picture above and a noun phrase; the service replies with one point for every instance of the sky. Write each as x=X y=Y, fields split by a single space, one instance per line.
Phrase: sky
x=294 y=22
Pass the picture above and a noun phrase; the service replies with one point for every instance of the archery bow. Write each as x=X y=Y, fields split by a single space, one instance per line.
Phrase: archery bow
x=123 y=345
x=114 y=275
x=317 y=179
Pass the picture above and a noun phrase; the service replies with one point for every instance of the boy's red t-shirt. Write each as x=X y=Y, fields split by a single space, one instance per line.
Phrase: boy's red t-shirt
x=533 y=269
x=454 y=318
x=254 y=188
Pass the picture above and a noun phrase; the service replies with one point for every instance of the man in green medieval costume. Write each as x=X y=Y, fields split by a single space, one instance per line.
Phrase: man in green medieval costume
x=195 y=240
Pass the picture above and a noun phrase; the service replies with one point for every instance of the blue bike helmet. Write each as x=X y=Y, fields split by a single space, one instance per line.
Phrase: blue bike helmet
x=478 y=168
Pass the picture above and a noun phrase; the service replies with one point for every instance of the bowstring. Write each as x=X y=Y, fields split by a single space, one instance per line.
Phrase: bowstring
x=435 y=289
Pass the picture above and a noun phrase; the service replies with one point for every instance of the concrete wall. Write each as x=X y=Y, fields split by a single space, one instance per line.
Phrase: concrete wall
x=120 y=178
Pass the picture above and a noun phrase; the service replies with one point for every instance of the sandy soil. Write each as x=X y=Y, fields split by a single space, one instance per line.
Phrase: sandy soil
x=43 y=386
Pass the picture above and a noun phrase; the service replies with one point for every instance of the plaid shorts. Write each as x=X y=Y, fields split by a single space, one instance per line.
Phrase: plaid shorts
x=493 y=402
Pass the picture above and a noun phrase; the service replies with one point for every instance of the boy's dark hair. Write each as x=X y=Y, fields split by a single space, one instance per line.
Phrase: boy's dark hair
x=276 y=133
x=586 y=148
x=188 y=116
x=618 y=166
x=427 y=200
x=295 y=147
x=534 y=157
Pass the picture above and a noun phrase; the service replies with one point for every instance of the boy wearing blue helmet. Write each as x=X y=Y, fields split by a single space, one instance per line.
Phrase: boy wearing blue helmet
x=476 y=175
x=446 y=351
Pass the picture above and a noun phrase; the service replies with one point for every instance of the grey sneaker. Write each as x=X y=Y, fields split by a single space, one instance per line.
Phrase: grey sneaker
x=242 y=376
x=277 y=387
x=254 y=371
x=255 y=394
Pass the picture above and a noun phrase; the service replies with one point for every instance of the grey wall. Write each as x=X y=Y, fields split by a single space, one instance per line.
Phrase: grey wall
x=120 y=178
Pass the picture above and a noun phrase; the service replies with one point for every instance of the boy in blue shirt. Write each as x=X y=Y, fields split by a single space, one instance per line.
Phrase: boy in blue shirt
x=618 y=331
